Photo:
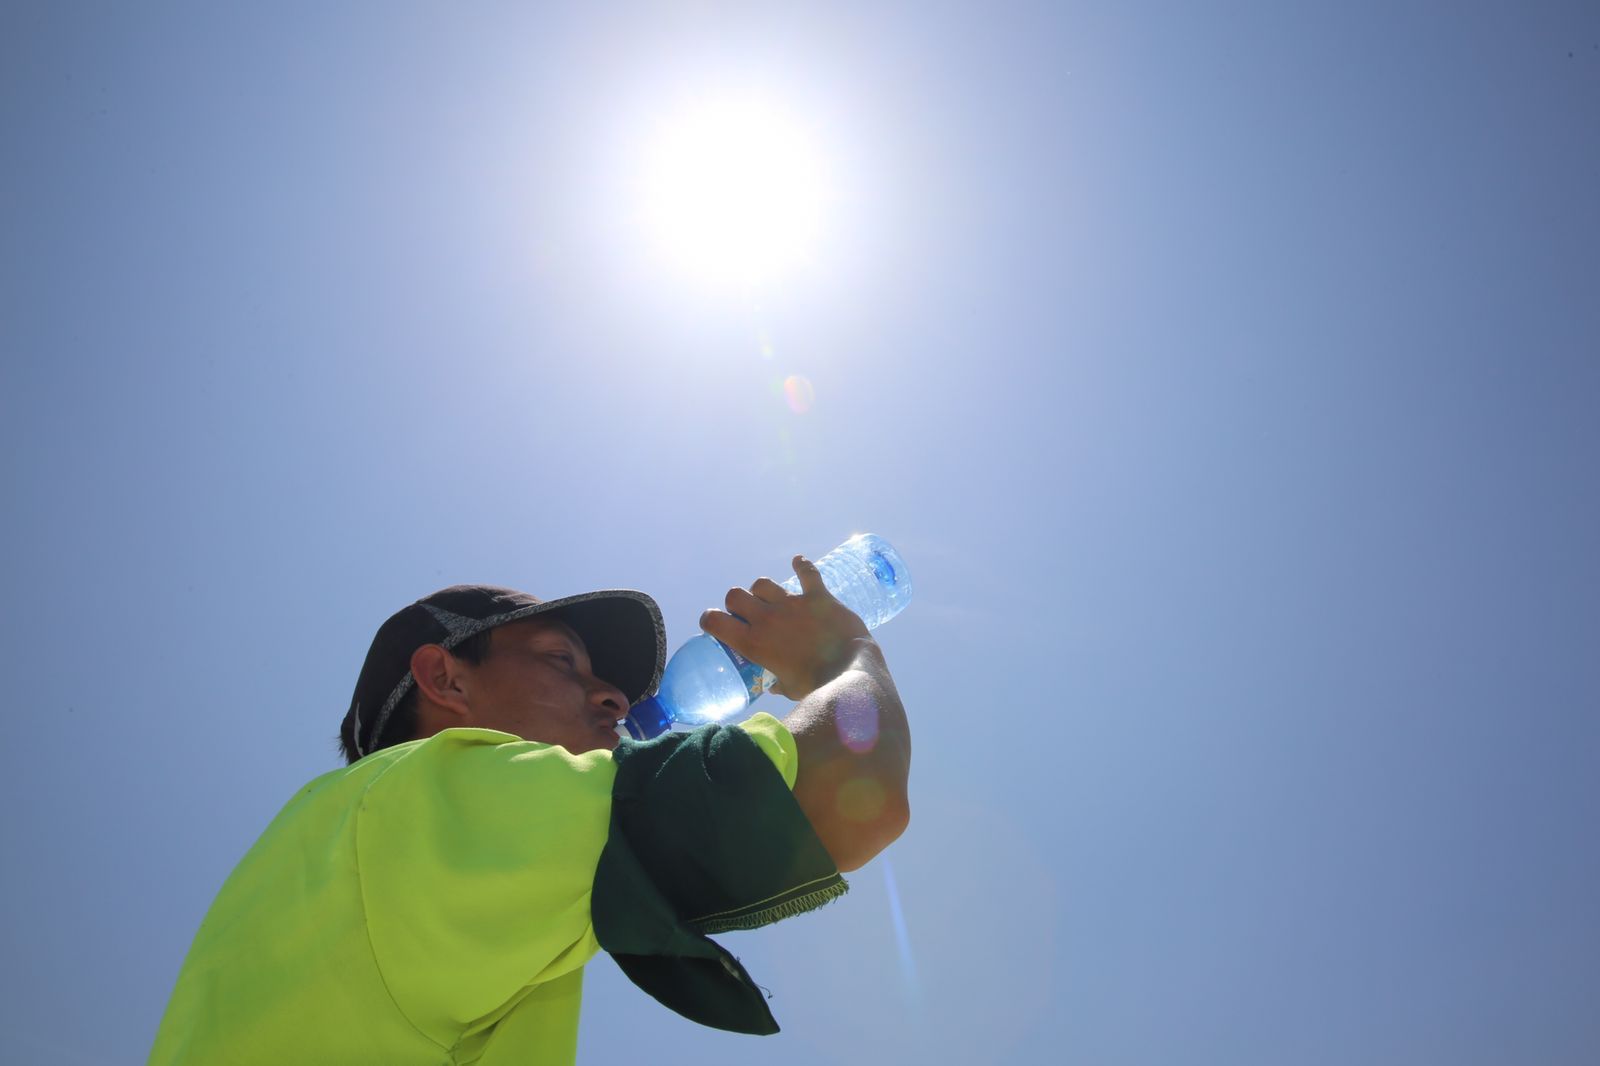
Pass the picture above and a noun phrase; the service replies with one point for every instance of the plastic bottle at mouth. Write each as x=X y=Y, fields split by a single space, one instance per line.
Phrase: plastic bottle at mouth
x=707 y=681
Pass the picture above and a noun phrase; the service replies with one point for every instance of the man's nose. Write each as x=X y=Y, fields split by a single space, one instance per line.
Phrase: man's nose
x=610 y=697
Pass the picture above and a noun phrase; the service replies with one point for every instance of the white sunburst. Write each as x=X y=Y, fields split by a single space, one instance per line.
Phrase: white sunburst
x=732 y=191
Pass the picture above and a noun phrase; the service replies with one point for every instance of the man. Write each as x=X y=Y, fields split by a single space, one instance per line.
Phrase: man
x=436 y=900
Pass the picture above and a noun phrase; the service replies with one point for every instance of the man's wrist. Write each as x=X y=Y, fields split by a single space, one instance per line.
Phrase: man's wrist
x=855 y=654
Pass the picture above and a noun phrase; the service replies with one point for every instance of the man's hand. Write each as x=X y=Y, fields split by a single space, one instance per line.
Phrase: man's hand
x=805 y=640
x=850 y=729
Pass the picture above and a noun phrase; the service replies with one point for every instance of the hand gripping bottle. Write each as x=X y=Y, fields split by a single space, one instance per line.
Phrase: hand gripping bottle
x=707 y=681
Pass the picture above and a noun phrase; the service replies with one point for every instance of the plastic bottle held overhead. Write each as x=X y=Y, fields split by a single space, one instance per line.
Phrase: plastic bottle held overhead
x=707 y=681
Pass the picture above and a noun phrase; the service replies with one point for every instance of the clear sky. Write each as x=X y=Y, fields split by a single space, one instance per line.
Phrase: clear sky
x=1228 y=375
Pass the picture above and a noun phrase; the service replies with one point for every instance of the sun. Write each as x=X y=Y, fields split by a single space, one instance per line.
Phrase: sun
x=733 y=191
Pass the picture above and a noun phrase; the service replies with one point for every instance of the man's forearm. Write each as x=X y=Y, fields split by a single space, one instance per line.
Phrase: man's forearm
x=855 y=758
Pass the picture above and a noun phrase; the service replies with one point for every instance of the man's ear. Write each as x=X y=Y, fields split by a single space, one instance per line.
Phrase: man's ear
x=440 y=679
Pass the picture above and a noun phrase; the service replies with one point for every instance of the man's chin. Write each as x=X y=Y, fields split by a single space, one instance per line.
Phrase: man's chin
x=600 y=741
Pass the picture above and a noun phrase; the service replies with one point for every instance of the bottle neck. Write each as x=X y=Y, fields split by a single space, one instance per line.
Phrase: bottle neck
x=647 y=719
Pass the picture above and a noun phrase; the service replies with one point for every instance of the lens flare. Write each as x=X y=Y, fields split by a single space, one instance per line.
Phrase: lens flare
x=855 y=718
x=860 y=799
x=798 y=391
x=902 y=939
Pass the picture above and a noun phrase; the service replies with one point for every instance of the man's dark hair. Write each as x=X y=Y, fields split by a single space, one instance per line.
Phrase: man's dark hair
x=402 y=723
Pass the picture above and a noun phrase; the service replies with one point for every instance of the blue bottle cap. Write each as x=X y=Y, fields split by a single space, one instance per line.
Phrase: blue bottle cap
x=647 y=719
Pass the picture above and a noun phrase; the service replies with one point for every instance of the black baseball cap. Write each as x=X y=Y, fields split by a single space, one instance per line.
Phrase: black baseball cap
x=621 y=628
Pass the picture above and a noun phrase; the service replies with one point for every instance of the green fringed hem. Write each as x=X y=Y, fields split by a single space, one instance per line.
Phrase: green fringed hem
x=776 y=908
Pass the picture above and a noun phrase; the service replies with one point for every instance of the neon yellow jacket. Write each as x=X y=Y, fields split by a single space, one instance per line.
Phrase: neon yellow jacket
x=428 y=904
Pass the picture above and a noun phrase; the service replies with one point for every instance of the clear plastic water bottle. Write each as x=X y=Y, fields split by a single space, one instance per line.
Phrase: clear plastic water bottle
x=707 y=681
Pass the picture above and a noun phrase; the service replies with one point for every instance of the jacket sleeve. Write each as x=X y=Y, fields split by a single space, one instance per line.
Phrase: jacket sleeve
x=706 y=838
x=773 y=738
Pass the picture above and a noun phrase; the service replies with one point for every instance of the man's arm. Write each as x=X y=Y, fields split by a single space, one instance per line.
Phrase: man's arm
x=855 y=757
x=850 y=728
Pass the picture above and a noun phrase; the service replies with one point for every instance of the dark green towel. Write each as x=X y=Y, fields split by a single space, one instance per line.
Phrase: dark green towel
x=705 y=837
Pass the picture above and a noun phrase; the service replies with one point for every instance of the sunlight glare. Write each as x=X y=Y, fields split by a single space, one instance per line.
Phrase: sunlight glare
x=733 y=191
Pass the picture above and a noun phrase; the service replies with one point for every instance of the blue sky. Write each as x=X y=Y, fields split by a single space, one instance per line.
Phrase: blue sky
x=1228 y=378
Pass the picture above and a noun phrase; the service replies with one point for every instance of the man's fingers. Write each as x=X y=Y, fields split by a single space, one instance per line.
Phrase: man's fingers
x=741 y=603
x=768 y=591
x=723 y=626
x=810 y=576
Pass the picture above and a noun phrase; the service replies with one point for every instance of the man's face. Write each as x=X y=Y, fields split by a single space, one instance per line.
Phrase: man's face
x=536 y=682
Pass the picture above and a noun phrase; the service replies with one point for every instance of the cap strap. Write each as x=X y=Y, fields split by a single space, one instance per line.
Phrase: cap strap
x=458 y=628
x=355 y=730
